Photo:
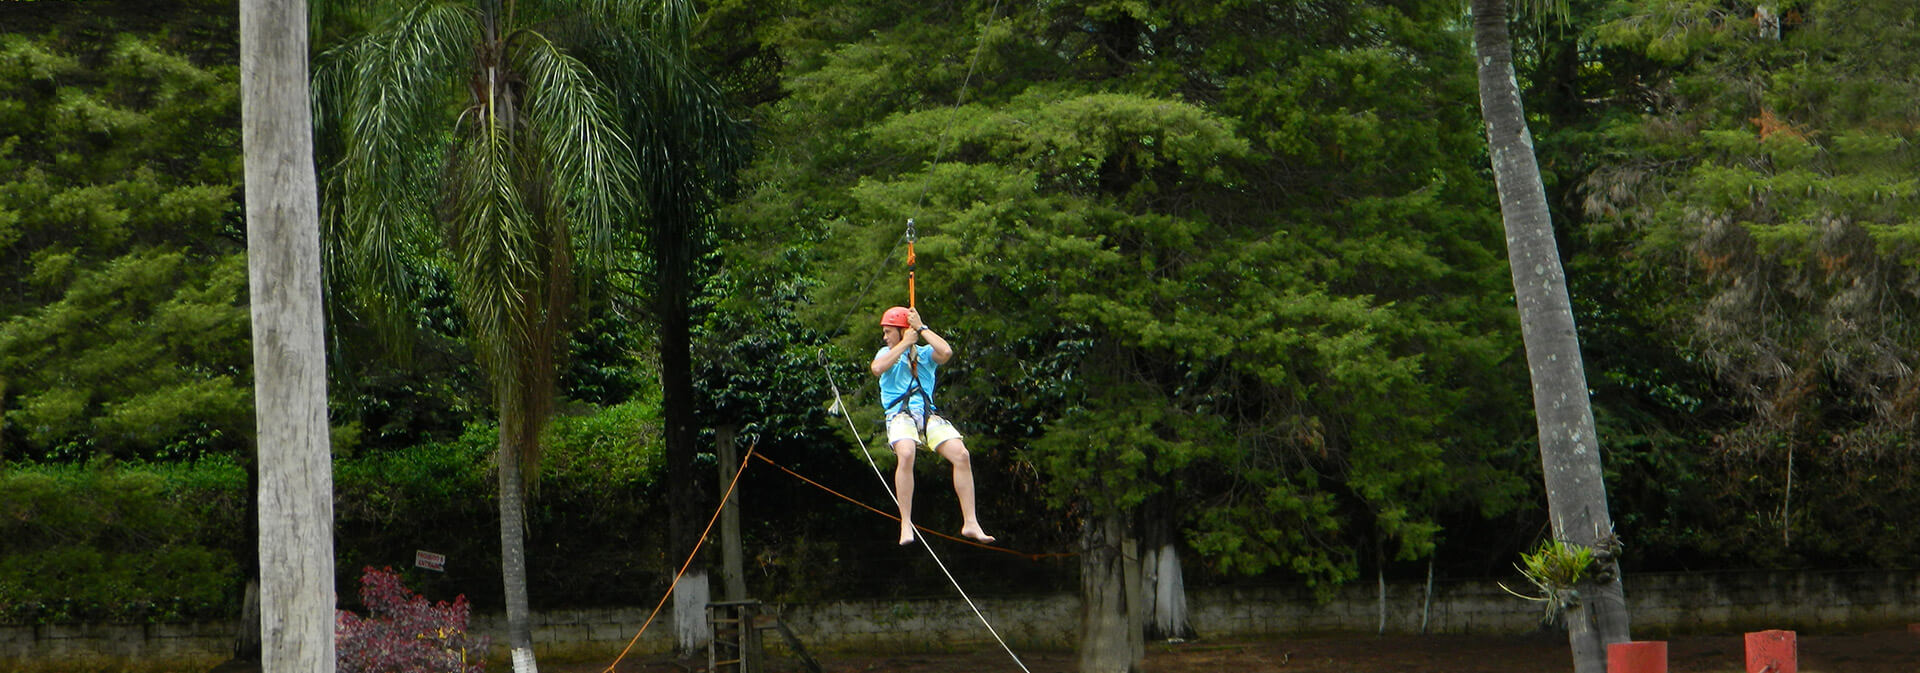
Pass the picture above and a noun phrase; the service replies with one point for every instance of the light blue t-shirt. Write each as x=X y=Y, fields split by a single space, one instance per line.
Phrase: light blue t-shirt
x=895 y=382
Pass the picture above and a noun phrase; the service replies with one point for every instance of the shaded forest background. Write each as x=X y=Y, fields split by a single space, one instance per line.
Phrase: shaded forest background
x=1233 y=269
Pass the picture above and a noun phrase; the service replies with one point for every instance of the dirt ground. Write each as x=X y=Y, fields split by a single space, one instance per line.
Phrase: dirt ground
x=1875 y=652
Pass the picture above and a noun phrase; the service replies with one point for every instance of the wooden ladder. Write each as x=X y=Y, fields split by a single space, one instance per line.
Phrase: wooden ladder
x=736 y=647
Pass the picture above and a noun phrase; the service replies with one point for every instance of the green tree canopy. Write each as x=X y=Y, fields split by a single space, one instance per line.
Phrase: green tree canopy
x=1224 y=252
x=1765 y=196
x=125 y=331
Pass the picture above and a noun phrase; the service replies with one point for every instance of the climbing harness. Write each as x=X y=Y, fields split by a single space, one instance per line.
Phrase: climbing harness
x=912 y=356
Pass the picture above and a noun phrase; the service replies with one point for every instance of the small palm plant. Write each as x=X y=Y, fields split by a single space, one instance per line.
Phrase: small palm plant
x=1555 y=569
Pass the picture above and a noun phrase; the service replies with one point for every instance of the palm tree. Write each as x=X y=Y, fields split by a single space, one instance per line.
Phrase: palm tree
x=290 y=398
x=688 y=146
x=464 y=127
x=1569 y=451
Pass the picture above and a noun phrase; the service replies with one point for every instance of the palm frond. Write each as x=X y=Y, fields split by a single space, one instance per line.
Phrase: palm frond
x=1543 y=13
x=381 y=95
x=575 y=134
x=674 y=19
x=625 y=16
x=677 y=118
x=493 y=237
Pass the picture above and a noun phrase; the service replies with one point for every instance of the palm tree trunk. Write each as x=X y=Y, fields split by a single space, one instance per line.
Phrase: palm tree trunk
x=1569 y=451
x=513 y=535
x=673 y=252
x=290 y=368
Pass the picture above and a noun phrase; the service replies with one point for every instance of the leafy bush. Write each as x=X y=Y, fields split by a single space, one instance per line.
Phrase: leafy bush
x=616 y=447
x=436 y=497
x=83 y=584
x=403 y=632
x=599 y=476
x=123 y=508
x=122 y=543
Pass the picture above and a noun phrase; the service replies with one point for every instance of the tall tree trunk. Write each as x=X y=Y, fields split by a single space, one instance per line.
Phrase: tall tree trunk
x=513 y=535
x=289 y=358
x=1165 y=591
x=674 y=263
x=1569 y=451
x=1166 y=595
x=1112 y=612
x=733 y=572
x=3 y=417
x=247 y=646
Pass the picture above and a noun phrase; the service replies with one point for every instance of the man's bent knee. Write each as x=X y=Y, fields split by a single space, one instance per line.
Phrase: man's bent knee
x=904 y=449
x=955 y=452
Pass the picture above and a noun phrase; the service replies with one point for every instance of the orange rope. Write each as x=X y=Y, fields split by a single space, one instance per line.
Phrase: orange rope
x=1004 y=550
x=683 y=567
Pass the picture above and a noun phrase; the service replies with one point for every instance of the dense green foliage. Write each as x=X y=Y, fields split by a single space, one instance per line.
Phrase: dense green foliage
x=134 y=543
x=1763 y=201
x=601 y=482
x=161 y=541
x=1232 y=269
x=1226 y=278
x=122 y=282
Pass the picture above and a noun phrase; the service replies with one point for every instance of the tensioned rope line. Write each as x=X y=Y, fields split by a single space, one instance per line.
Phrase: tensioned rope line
x=683 y=567
x=1029 y=556
x=841 y=405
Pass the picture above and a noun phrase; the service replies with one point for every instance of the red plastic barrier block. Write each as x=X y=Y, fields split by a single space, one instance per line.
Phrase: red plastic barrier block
x=1639 y=656
x=1772 y=652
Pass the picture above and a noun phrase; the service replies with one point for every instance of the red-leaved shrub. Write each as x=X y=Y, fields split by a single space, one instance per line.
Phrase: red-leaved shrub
x=403 y=633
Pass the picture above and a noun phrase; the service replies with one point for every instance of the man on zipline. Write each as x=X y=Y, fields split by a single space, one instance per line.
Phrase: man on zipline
x=906 y=392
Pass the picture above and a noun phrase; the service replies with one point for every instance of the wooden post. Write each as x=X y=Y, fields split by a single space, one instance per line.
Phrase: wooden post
x=732 y=569
x=1639 y=656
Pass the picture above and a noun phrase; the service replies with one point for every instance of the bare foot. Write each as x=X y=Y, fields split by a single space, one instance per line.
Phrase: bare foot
x=975 y=533
x=906 y=535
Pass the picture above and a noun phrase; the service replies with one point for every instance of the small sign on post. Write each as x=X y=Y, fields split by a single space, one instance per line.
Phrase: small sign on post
x=429 y=561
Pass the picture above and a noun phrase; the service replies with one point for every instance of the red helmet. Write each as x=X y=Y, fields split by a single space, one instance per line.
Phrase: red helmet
x=894 y=317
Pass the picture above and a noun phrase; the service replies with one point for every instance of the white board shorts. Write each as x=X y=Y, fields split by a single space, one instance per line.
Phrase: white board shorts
x=901 y=428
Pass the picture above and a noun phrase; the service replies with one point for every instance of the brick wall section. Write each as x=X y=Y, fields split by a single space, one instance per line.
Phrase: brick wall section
x=108 y=642
x=1661 y=604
